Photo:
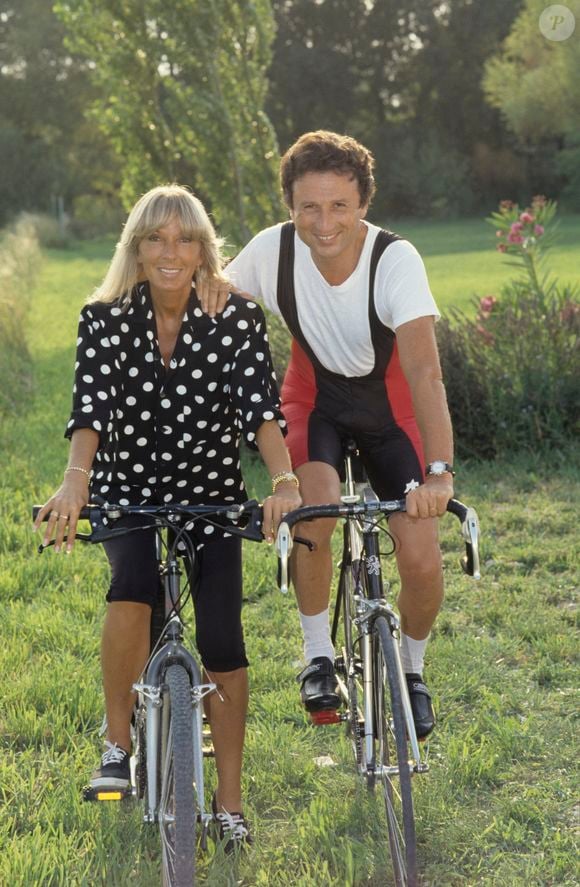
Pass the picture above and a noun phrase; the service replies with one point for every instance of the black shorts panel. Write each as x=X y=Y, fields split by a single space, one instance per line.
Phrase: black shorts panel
x=389 y=455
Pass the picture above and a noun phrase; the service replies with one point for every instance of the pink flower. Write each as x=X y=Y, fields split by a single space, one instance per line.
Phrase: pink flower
x=501 y=248
x=527 y=218
x=516 y=227
x=538 y=201
x=487 y=303
x=515 y=238
x=538 y=230
x=506 y=205
x=499 y=233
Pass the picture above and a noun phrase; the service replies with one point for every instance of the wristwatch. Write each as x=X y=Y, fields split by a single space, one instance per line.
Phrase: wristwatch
x=438 y=468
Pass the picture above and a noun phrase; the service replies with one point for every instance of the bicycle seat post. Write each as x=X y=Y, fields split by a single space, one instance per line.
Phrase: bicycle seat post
x=350 y=497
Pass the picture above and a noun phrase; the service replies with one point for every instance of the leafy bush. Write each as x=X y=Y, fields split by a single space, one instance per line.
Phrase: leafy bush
x=19 y=263
x=511 y=373
x=424 y=179
x=96 y=216
x=48 y=231
x=280 y=340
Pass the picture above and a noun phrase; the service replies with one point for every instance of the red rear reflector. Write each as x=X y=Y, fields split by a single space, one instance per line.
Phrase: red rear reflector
x=320 y=718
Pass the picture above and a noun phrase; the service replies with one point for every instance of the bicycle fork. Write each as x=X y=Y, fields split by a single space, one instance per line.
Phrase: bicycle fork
x=151 y=693
x=368 y=610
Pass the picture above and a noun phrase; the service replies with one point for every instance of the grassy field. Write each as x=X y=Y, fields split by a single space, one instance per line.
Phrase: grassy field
x=497 y=807
x=461 y=259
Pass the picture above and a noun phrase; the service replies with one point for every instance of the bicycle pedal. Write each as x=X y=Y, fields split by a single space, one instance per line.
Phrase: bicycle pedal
x=322 y=718
x=106 y=794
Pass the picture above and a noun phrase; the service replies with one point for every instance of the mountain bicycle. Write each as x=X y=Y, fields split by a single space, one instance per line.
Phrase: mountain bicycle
x=372 y=684
x=168 y=730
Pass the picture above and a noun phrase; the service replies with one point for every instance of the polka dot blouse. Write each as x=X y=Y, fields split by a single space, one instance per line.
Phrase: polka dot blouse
x=172 y=434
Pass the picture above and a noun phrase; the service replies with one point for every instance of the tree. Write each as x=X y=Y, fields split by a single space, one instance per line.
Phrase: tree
x=533 y=81
x=47 y=148
x=181 y=90
x=405 y=78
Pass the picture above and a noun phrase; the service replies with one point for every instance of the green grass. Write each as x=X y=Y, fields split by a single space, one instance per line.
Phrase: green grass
x=462 y=262
x=460 y=256
x=497 y=807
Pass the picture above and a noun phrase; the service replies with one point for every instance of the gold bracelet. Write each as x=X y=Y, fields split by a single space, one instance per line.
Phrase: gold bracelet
x=78 y=468
x=284 y=477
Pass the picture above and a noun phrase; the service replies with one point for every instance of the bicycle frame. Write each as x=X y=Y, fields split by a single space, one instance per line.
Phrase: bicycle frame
x=361 y=548
x=381 y=727
x=169 y=751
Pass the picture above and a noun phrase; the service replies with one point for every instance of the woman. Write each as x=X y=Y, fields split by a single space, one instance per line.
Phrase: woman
x=161 y=397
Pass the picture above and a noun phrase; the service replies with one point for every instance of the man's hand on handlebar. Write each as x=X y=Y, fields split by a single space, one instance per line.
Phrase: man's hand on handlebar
x=431 y=498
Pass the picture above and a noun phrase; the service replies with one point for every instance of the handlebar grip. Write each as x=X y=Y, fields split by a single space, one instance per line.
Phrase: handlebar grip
x=84 y=515
x=454 y=506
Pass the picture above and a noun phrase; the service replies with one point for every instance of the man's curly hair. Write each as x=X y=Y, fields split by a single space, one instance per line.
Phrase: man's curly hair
x=324 y=151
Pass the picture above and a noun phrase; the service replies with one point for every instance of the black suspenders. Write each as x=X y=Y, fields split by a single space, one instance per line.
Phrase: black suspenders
x=382 y=337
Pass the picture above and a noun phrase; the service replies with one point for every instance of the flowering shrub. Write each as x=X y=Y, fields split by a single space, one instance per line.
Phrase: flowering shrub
x=511 y=371
x=520 y=232
x=526 y=235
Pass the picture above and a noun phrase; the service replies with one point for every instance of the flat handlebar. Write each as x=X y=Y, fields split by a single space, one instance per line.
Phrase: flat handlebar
x=250 y=513
x=284 y=541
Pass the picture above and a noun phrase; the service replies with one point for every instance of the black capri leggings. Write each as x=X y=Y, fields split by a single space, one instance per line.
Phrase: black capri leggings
x=216 y=585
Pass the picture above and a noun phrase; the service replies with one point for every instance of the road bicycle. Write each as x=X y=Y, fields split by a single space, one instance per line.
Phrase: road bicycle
x=372 y=684
x=167 y=766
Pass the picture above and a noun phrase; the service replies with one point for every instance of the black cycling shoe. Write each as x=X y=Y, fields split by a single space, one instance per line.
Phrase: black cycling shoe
x=421 y=707
x=318 y=687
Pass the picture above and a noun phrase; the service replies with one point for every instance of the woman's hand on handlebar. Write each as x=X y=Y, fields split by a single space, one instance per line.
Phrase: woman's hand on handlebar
x=63 y=509
x=275 y=507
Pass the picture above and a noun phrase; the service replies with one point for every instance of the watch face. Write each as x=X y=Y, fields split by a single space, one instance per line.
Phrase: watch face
x=437 y=468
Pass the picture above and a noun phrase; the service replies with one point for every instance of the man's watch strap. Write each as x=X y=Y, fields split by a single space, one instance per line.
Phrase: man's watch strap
x=437 y=468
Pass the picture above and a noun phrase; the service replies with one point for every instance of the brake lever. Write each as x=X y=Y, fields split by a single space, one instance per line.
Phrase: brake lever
x=470 y=530
x=84 y=537
x=283 y=551
x=253 y=529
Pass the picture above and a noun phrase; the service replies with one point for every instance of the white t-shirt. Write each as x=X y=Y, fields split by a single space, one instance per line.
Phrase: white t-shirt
x=335 y=319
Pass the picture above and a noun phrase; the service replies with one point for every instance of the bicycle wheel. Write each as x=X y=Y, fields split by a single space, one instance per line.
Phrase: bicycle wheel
x=393 y=758
x=177 y=800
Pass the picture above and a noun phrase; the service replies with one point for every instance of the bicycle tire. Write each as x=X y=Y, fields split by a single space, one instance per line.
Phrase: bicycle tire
x=393 y=752
x=140 y=752
x=177 y=795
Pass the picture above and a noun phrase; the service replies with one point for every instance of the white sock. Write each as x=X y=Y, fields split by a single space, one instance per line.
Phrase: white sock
x=316 y=631
x=412 y=654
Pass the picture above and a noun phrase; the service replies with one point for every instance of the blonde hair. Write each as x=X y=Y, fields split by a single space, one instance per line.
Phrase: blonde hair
x=152 y=211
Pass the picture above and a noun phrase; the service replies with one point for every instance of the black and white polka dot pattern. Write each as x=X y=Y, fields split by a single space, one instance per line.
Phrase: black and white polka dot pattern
x=172 y=434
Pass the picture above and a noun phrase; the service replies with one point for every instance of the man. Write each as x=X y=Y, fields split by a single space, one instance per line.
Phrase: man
x=364 y=365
